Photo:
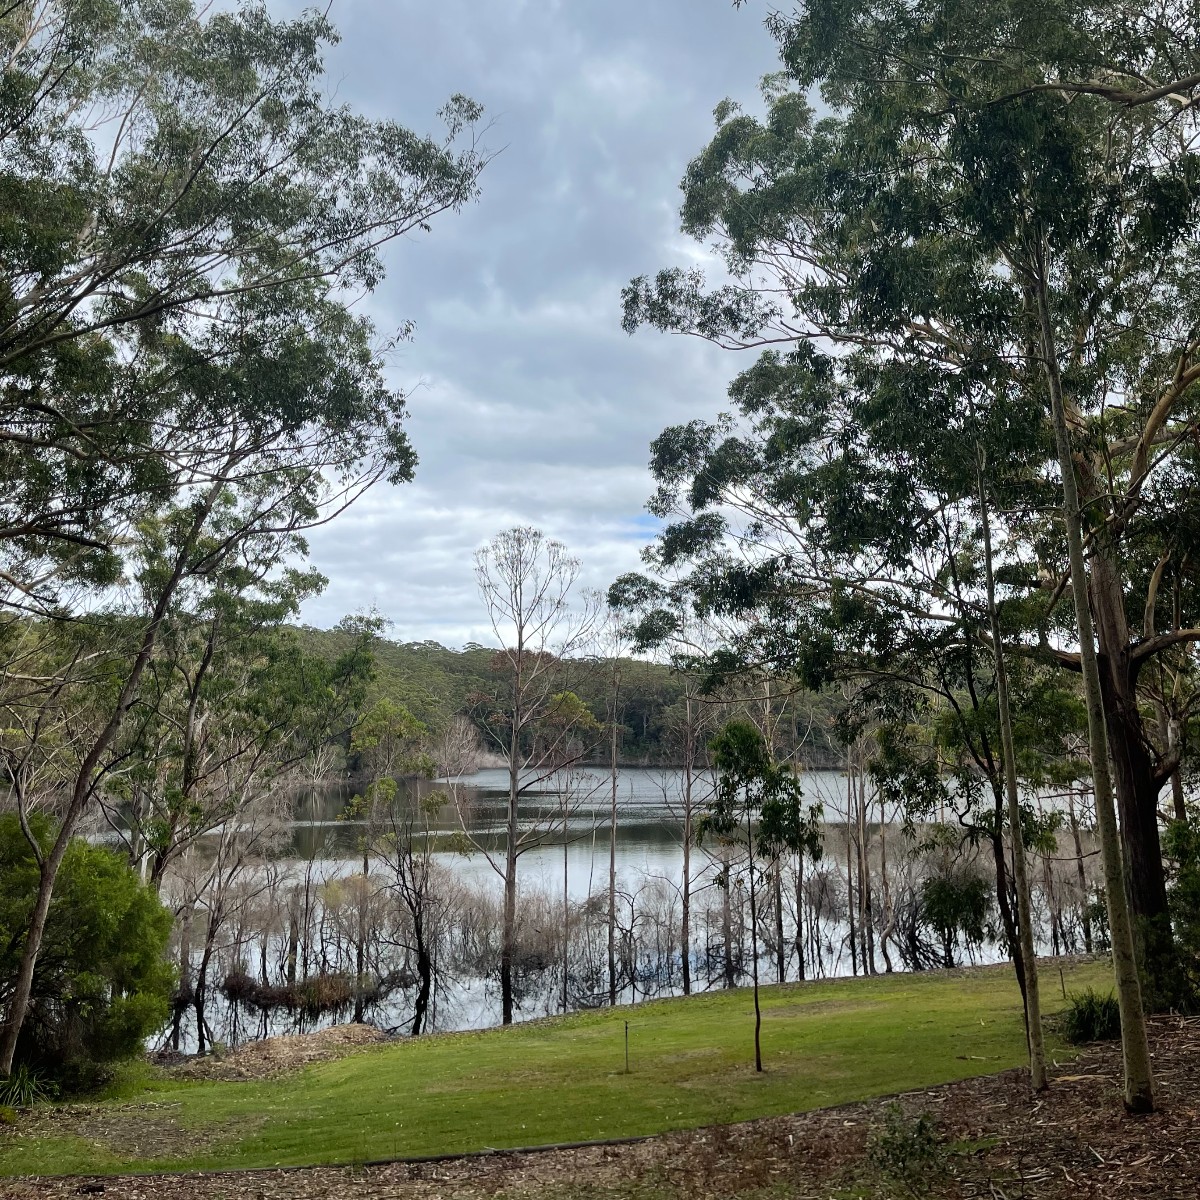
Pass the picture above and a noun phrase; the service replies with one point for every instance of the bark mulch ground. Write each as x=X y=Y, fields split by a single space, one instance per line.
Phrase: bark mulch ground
x=277 y=1055
x=996 y=1142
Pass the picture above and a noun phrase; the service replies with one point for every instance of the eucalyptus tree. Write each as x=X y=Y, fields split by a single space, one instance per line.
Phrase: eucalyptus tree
x=386 y=741
x=228 y=683
x=830 y=548
x=183 y=389
x=312 y=424
x=658 y=619
x=1073 y=164
x=532 y=716
x=407 y=848
x=615 y=643
x=1004 y=195
x=179 y=188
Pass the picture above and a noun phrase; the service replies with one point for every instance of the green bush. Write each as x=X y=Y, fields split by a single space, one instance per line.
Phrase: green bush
x=1181 y=846
x=102 y=983
x=24 y=1088
x=1091 y=1017
x=906 y=1153
x=956 y=902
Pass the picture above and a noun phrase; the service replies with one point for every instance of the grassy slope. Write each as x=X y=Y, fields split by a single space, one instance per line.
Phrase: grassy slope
x=562 y=1080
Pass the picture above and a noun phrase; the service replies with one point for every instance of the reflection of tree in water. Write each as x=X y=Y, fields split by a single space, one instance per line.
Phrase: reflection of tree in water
x=280 y=954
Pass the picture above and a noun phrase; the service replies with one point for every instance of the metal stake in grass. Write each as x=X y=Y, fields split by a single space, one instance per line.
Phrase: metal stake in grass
x=626 y=1047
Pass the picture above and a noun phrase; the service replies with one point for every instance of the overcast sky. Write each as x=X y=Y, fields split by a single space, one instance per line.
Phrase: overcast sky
x=529 y=403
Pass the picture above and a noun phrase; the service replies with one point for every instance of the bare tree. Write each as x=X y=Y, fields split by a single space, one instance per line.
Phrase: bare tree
x=526 y=581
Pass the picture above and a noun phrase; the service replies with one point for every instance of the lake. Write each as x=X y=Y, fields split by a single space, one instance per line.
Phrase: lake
x=306 y=911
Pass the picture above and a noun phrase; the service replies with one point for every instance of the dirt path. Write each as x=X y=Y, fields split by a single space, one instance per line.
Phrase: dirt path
x=1074 y=1144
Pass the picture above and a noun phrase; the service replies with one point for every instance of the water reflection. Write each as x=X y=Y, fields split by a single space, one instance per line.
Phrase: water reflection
x=649 y=815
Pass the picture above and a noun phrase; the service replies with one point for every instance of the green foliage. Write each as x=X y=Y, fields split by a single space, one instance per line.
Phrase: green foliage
x=24 y=1088
x=102 y=983
x=1091 y=1017
x=231 y=694
x=387 y=740
x=906 y=1152
x=155 y=300
x=956 y=901
x=1181 y=845
x=434 y=683
x=1097 y=913
x=753 y=787
x=915 y=175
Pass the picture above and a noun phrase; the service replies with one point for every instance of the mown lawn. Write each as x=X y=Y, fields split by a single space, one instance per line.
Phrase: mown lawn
x=691 y=1063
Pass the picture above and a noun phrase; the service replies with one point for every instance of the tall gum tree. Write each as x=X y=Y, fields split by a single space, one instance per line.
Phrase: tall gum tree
x=168 y=169
x=183 y=390
x=892 y=230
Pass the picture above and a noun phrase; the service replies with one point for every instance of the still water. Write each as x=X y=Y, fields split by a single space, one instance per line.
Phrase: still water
x=649 y=824
x=564 y=830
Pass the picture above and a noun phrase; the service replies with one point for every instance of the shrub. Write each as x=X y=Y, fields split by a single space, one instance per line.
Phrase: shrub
x=906 y=1152
x=1091 y=1017
x=1181 y=845
x=24 y=1088
x=956 y=901
x=240 y=988
x=322 y=995
x=102 y=983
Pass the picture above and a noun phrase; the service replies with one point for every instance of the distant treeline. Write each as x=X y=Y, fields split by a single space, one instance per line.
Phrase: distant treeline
x=436 y=683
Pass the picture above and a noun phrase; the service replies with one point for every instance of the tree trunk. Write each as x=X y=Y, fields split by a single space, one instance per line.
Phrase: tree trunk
x=424 y=975
x=84 y=782
x=865 y=907
x=1178 y=799
x=292 y=945
x=727 y=919
x=685 y=895
x=1136 y=791
x=800 y=956
x=508 y=936
x=754 y=950
x=780 y=945
x=889 y=909
x=850 y=868
x=566 y=954
x=1084 y=918
x=1026 y=959
x=201 y=996
x=1139 y=1077
x=612 y=860
x=360 y=944
x=185 y=974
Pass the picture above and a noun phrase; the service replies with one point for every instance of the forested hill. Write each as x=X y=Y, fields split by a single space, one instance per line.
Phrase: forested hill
x=434 y=683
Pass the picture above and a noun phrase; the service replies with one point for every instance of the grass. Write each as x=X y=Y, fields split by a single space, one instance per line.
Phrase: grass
x=691 y=1064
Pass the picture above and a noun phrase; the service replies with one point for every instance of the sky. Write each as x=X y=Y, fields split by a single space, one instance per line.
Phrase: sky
x=529 y=404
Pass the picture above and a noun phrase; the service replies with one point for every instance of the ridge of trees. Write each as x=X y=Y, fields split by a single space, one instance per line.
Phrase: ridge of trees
x=435 y=683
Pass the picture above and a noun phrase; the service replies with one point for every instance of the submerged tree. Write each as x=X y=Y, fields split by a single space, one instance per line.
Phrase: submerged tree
x=526 y=581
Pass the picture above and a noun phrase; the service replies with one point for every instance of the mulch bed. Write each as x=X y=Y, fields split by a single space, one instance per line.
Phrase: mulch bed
x=277 y=1055
x=1074 y=1143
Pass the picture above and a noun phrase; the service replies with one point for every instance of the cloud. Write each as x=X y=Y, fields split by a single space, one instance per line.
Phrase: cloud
x=529 y=404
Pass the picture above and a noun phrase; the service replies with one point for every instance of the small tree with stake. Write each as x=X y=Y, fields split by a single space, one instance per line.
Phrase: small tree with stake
x=757 y=803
